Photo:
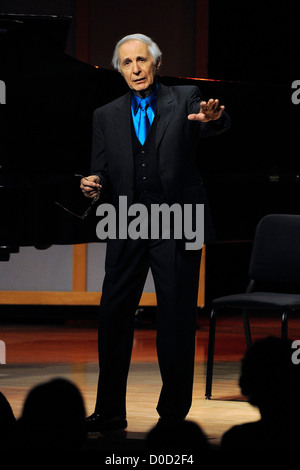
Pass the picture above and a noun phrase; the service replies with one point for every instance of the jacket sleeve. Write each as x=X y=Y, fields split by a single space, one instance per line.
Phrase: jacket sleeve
x=215 y=127
x=99 y=165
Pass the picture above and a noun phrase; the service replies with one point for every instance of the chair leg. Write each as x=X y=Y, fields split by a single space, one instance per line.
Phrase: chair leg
x=247 y=329
x=284 y=325
x=210 y=354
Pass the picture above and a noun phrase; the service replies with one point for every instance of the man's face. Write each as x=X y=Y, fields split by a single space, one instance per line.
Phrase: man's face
x=137 y=65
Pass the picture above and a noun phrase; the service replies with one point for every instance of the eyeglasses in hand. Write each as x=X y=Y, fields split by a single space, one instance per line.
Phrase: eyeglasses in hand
x=86 y=213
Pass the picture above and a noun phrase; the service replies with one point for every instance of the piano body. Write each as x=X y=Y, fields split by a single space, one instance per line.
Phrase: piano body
x=45 y=140
x=45 y=128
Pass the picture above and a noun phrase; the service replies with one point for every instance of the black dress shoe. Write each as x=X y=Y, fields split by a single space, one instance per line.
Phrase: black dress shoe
x=95 y=423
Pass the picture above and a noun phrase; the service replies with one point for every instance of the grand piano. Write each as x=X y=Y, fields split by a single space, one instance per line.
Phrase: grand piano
x=45 y=141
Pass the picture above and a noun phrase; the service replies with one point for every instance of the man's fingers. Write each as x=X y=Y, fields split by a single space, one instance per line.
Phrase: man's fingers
x=89 y=189
x=210 y=105
x=91 y=193
x=90 y=186
x=196 y=117
x=87 y=181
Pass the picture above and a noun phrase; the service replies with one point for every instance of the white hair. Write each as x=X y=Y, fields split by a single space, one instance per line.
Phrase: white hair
x=152 y=47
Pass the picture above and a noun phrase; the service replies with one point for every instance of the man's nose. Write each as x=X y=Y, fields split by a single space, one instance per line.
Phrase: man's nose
x=136 y=69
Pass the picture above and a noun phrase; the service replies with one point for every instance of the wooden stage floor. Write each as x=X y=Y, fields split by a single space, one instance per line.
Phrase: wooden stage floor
x=37 y=353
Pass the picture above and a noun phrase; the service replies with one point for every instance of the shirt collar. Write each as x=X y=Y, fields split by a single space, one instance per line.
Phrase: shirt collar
x=151 y=99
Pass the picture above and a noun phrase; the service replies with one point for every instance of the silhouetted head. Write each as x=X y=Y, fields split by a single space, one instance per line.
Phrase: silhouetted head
x=269 y=378
x=53 y=416
x=7 y=421
x=177 y=436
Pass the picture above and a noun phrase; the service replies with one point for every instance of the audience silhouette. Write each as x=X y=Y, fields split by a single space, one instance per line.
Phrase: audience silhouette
x=271 y=382
x=180 y=437
x=53 y=417
x=7 y=422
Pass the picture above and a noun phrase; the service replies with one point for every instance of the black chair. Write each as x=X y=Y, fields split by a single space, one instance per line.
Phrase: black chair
x=275 y=261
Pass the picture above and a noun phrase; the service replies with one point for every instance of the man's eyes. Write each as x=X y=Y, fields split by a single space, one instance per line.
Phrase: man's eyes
x=139 y=59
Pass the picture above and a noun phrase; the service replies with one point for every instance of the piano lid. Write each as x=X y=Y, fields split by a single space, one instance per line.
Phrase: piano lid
x=55 y=27
x=50 y=97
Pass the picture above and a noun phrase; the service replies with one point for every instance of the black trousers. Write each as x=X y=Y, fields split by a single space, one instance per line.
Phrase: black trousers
x=176 y=278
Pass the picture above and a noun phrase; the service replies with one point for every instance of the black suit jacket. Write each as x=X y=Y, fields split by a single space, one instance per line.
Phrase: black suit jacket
x=176 y=138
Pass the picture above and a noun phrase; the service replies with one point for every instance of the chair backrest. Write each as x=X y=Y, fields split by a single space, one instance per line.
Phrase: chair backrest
x=276 y=249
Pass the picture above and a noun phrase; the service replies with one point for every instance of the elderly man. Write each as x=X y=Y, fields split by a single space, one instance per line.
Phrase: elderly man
x=152 y=166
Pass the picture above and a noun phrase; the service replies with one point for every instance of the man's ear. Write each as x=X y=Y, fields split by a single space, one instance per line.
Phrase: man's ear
x=158 y=64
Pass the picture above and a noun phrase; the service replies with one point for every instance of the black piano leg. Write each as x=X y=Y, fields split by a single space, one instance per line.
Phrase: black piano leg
x=210 y=355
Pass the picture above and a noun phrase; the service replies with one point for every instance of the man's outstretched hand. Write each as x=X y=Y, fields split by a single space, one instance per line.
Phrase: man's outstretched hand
x=209 y=111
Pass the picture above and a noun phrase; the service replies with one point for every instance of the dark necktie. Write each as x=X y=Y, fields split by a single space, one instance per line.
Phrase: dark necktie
x=144 y=125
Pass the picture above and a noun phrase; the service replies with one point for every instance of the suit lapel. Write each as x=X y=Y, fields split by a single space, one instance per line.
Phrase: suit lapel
x=122 y=123
x=165 y=108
